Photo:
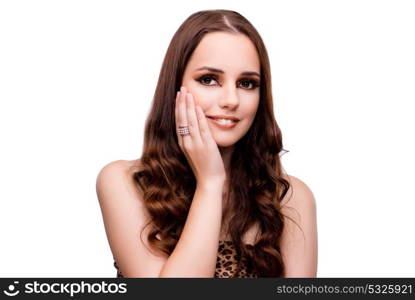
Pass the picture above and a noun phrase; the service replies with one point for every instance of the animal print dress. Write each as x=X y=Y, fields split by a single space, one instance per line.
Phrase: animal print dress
x=225 y=264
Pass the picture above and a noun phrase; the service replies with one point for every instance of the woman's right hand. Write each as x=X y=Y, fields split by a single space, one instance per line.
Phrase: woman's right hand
x=199 y=147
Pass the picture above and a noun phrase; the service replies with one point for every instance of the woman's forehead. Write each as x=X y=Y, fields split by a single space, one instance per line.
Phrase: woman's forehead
x=225 y=51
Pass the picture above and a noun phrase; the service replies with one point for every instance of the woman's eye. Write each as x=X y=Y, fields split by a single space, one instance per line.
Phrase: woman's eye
x=249 y=84
x=206 y=80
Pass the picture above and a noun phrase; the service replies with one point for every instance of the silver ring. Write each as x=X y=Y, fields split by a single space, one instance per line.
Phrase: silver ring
x=184 y=130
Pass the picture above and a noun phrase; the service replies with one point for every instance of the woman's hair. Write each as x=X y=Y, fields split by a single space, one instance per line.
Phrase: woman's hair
x=255 y=179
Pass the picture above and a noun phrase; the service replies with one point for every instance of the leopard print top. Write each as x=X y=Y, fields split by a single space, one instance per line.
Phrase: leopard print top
x=227 y=261
x=225 y=264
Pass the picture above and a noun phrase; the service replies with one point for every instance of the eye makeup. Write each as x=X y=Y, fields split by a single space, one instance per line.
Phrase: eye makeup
x=209 y=77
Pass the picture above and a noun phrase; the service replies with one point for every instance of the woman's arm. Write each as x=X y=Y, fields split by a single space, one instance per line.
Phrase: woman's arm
x=196 y=251
x=124 y=217
x=299 y=248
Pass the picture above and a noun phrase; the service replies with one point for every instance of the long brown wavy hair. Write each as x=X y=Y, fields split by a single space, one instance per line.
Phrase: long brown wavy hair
x=255 y=180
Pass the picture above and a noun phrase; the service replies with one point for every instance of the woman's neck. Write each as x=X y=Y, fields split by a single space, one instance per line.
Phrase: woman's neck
x=226 y=153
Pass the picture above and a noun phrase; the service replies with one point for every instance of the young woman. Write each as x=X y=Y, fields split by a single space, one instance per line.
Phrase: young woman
x=208 y=197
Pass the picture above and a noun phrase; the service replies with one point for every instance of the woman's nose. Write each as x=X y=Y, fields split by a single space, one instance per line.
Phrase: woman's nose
x=229 y=98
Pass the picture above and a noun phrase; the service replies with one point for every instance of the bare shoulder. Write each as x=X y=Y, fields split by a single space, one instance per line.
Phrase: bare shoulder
x=299 y=237
x=117 y=175
x=115 y=186
x=299 y=194
x=119 y=168
x=124 y=217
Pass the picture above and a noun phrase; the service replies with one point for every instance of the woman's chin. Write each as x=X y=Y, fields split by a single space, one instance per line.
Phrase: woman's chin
x=225 y=143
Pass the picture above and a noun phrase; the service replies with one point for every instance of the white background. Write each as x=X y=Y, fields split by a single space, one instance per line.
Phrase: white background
x=77 y=79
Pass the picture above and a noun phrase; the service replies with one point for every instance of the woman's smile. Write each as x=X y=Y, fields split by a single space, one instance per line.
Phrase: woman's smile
x=223 y=123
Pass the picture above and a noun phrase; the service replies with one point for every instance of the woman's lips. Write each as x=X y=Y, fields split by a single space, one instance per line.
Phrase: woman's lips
x=222 y=125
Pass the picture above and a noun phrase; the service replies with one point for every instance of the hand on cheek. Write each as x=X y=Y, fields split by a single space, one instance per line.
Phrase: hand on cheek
x=198 y=144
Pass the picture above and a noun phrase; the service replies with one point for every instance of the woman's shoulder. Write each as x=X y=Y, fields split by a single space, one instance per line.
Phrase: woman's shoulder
x=299 y=193
x=115 y=178
x=120 y=168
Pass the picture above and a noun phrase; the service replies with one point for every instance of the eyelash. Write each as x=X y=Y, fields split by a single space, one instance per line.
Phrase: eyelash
x=254 y=83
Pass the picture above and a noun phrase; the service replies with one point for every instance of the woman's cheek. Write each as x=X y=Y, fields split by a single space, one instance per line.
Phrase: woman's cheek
x=196 y=97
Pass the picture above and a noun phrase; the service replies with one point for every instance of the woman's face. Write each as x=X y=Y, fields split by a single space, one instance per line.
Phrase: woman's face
x=223 y=75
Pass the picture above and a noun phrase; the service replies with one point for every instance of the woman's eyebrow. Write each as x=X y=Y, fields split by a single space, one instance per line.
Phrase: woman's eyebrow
x=246 y=73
